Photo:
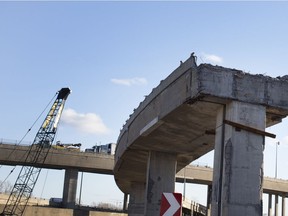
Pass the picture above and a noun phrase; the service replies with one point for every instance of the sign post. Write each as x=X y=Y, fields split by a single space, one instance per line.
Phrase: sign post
x=171 y=204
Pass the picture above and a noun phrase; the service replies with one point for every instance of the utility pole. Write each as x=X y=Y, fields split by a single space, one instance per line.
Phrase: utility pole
x=276 y=160
x=184 y=188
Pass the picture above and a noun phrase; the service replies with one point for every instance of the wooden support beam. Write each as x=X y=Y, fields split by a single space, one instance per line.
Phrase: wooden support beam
x=250 y=129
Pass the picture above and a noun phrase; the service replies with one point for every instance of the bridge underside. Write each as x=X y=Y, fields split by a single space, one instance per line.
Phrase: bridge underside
x=188 y=132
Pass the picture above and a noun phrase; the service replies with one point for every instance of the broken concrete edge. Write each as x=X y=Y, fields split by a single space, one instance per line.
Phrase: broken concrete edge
x=231 y=84
x=267 y=91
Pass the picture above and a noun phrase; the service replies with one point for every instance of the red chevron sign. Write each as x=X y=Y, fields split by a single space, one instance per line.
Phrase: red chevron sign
x=171 y=204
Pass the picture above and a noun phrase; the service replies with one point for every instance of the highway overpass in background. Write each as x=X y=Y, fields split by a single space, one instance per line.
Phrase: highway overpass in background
x=59 y=159
x=103 y=164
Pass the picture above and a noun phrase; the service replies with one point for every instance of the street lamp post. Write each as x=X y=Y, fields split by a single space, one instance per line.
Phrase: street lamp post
x=276 y=162
x=184 y=188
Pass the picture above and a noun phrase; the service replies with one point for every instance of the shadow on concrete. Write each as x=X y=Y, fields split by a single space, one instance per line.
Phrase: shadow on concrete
x=80 y=212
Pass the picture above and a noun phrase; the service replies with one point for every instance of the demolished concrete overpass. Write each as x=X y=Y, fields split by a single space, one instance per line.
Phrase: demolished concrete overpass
x=194 y=110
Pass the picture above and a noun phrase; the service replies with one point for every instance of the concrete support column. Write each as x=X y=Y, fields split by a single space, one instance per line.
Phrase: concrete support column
x=270 y=205
x=238 y=160
x=283 y=205
x=161 y=170
x=276 y=205
x=136 y=199
x=125 y=201
x=209 y=197
x=70 y=188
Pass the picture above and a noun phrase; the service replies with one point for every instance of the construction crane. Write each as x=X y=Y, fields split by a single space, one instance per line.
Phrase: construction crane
x=37 y=153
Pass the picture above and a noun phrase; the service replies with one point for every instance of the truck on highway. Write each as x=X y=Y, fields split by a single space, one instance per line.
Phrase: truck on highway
x=103 y=149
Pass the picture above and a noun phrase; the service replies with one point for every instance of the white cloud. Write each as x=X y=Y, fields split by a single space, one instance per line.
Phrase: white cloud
x=129 y=82
x=214 y=59
x=84 y=122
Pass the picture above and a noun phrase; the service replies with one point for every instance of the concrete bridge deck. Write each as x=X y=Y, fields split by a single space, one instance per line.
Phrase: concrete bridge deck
x=103 y=164
x=59 y=159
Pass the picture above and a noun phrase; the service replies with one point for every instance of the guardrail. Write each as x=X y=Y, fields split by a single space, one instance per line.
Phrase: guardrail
x=193 y=207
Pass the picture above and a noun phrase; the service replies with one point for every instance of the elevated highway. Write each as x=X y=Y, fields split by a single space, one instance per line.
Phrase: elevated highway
x=103 y=164
x=194 y=110
x=179 y=116
x=71 y=161
x=59 y=159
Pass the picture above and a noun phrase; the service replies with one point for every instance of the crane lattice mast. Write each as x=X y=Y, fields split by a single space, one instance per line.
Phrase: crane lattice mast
x=38 y=151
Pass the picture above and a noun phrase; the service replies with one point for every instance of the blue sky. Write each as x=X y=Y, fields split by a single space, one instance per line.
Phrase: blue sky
x=111 y=54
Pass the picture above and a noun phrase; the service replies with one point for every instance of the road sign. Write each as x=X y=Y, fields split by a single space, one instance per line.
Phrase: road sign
x=171 y=204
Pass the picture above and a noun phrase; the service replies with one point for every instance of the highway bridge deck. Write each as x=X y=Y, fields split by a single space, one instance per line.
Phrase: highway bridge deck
x=103 y=164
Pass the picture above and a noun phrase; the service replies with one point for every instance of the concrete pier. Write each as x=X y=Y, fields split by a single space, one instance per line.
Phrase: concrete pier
x=209 y=199
x=283 y=205
x=161 y=171
x=276 y=205
x=270 y=205
x=70 y=188
x=125 y=202
x=238 y=174
x=136 y=199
